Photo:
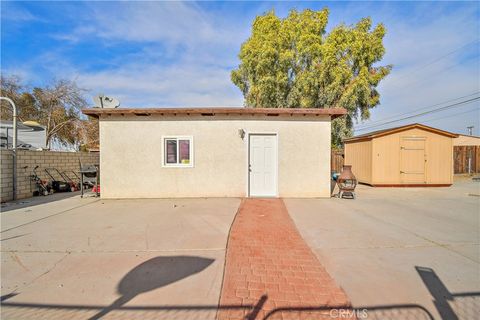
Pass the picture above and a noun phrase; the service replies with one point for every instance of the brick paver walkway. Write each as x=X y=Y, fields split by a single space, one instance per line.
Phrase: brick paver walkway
x=266 y=256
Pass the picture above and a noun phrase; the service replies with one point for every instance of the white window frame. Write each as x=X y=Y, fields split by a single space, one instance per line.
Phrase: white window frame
x=164 y=152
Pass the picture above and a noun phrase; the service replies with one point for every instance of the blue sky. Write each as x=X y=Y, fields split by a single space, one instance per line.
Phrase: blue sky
x=153 y=54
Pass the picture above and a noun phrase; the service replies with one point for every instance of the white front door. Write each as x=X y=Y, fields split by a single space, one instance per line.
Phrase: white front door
x=262 y=165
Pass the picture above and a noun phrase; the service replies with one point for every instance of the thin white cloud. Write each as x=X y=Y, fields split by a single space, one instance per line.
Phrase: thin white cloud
x=172 y=23
x=434 y=60
x=186 y=53
x=156 y=86
x=76 y=36
x=186 y=59
x=16 y=14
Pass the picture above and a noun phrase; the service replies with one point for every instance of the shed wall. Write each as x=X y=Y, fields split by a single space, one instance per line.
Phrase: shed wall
x=131 y=156
x=386 y=157
x=359 y=156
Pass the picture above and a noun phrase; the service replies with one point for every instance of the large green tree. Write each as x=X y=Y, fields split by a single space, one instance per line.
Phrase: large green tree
x=294 y=63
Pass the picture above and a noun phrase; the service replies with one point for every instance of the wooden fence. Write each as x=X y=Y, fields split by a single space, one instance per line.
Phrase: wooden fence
x=336 y=160
x=461 y=154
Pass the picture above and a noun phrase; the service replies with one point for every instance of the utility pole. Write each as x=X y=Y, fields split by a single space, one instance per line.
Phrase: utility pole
x=470 y=129
x=14 y=145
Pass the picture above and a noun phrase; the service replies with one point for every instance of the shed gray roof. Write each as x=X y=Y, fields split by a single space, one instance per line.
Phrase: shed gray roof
x=384 y=132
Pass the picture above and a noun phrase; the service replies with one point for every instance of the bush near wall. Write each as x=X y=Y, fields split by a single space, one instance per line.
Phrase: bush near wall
x=27 y=160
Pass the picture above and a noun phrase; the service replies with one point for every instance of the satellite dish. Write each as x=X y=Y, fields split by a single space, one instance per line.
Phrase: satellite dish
x=102 y=101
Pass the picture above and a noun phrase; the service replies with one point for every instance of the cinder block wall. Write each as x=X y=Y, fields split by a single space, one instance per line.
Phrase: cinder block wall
x=6 y=176
x=27 y=160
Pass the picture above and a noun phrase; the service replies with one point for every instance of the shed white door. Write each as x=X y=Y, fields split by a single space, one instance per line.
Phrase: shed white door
x=412 y=160
x=262 y=165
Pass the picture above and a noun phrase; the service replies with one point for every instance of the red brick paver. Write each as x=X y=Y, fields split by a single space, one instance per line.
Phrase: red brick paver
x=266 y=256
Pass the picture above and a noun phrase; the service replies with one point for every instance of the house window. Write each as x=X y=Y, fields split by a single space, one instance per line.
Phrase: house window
x=178 y=151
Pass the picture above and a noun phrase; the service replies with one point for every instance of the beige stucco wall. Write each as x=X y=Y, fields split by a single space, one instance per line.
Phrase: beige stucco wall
x=464 y=140
x=131 y=155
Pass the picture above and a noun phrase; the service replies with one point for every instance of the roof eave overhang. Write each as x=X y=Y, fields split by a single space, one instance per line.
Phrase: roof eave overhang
x=330 y=112
x=357 y=140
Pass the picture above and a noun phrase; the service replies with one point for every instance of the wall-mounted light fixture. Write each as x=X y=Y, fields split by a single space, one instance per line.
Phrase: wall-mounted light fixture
x=241 y=133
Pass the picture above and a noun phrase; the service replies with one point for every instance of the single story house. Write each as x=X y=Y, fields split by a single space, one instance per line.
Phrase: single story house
x=215 y=152
x=411 y=155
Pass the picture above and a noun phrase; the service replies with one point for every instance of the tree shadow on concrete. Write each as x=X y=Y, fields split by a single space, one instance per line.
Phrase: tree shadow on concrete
x=7 y=296
x=152 y=274
x=160 y=271
x=450 y=306
x=15 y=310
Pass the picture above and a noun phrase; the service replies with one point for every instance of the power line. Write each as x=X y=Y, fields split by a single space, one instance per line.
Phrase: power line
x=458 y=104
x=422 y=108
x=420 y=80
x=450 y=116
x=435 y=60
x=424 y=113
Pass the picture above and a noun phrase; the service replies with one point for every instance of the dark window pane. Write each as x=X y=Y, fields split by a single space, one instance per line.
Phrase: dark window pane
x=184 y=151
x=171 y=150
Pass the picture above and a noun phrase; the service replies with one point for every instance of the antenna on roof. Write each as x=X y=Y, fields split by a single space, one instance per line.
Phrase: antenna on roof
x=102 y=101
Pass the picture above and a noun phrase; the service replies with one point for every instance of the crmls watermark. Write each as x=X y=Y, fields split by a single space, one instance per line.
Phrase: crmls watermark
x=349 y=313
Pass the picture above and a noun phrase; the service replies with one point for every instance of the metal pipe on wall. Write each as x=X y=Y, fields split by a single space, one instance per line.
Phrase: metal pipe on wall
x=14 y=145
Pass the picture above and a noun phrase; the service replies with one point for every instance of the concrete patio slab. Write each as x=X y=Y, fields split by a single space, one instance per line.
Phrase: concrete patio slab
x=372 y=245
x=77 y=257
x=94 y=278
x=16 y=213
x=121 y=225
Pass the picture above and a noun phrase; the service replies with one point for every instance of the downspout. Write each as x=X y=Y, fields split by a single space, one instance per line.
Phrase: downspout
x=14 y=145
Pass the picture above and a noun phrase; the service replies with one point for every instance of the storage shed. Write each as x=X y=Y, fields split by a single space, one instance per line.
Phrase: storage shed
x=411 y=155
x=214 y=152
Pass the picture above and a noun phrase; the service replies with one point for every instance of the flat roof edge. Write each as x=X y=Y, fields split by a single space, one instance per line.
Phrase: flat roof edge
x=332 y=112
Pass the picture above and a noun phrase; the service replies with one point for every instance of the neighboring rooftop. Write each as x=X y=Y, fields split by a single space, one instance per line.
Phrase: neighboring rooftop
x=467 y=135
x=27 y=125
x=332 y=112
x=466 y=140
x=384 y=132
